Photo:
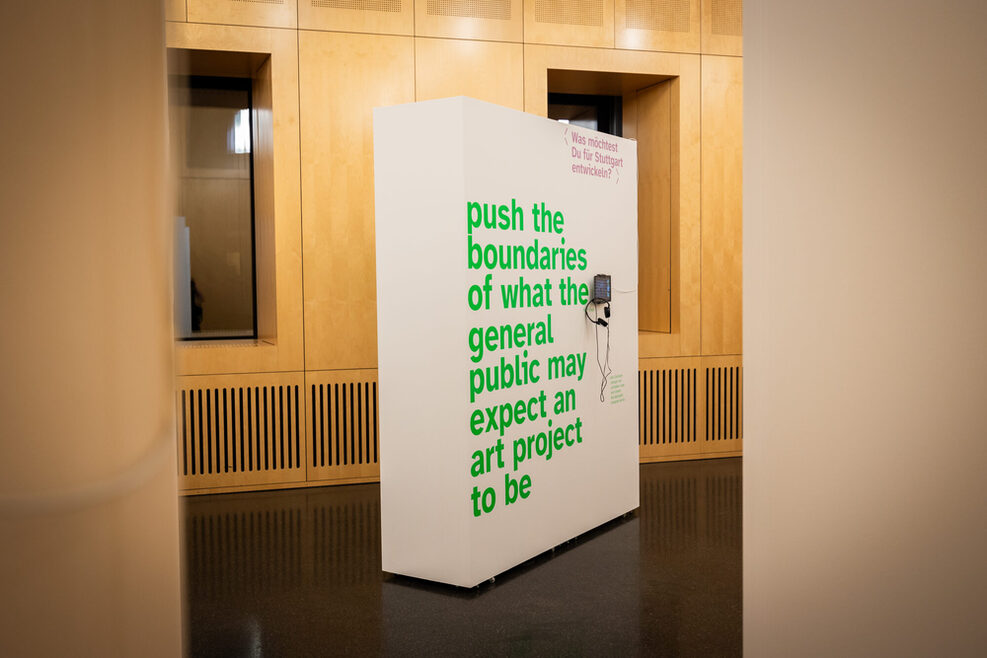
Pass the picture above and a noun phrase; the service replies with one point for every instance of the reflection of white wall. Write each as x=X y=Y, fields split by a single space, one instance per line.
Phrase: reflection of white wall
x=865 y=450
x=429 y=159
x=183 y=293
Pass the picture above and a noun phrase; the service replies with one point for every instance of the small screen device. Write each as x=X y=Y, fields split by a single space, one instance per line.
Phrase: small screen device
x=601 y=295
x=601 y=288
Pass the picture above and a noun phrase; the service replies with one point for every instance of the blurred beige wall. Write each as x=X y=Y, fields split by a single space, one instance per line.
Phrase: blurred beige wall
x=89 y=548
x=865 y=315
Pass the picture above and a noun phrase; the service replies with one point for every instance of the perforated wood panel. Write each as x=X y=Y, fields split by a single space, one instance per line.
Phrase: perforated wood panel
x=690 y=407
x=494 y=9
x=727 y=18
x=723 y=27
x=343 y=425
x=670 y=25
x=569 y=22
x=239 y=430
x=361 y=5
x=374 y=16
x=495 y=20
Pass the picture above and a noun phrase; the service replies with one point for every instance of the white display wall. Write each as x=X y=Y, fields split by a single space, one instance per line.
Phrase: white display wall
x=495 y=444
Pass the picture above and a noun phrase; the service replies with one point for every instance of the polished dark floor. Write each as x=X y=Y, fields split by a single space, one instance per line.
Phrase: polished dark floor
x=297 y=573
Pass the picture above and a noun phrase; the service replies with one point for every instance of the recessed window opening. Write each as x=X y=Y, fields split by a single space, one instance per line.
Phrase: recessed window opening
x=215 y=281
x=643 y=107
x=596 y=112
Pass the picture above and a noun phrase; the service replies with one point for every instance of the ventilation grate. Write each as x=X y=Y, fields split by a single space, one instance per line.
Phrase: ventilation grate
x=344 y=424
x=659 y=15
x=570 y=12
x=724 y=403
x=667 y=406
x=491 y=9
x=393 y=6
x=238 y=429
x=728 y=17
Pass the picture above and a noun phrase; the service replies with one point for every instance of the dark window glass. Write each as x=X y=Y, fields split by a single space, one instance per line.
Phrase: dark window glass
x=601 y=113
x=214 y=233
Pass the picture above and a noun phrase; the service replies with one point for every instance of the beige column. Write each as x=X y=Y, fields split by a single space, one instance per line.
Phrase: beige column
x=89 y=546
x=865 y=321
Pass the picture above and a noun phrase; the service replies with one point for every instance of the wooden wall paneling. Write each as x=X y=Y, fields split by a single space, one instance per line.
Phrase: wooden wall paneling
x=175 y=10
x=629 y=119
x=374 y=16
x=677 y=275
x=685 y=231
x=569 y=22
x=342 y=426
x=260 y=13
x=264 y=216
x=670 y=396
x=668 y=25
x=723 y=27
x=722 y=205
x=337 y=187
x=240 y=430
x=491 y=20
x=684 y=338
x=276 y=186
x=486 y=70
x=722 y=384
x=653 y=109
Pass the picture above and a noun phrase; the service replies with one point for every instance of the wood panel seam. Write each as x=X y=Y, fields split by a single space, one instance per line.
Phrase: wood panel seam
x=301 y=178
x=248 y=25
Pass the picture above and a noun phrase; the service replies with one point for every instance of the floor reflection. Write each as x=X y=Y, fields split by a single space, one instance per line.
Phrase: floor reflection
x=297 y=572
